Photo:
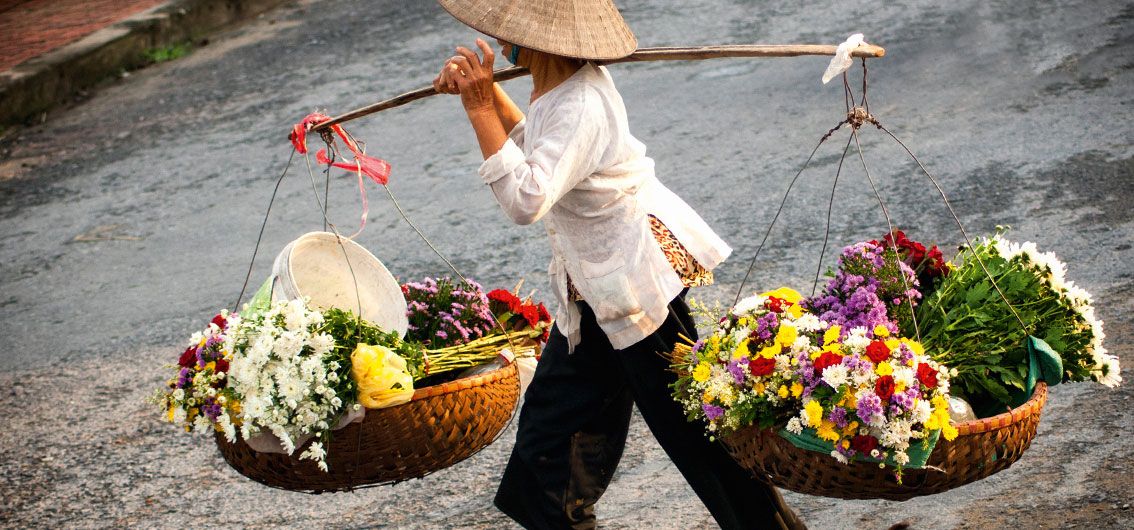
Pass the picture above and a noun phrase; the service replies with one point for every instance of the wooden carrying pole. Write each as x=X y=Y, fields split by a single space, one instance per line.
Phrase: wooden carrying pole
x=693 y=53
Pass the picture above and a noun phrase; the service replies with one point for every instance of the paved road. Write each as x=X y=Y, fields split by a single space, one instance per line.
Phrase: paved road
x=127 y=220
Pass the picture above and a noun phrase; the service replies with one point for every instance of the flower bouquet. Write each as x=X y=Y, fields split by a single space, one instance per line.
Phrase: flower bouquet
x=787 y=381
x=289 y=379
x=1050 y=331
x=854 y=394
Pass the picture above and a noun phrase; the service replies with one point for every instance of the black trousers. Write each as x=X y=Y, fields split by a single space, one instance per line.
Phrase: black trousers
x=574 y=423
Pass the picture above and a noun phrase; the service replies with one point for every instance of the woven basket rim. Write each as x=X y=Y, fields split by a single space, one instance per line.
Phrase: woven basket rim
x=1004 y=419
x=464 y=383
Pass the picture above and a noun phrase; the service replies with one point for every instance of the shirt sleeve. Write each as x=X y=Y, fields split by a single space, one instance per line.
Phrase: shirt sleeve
x=568 y=150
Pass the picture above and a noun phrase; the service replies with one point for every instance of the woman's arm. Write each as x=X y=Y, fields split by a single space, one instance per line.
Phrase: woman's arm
x=491 y=121
x=506 y=110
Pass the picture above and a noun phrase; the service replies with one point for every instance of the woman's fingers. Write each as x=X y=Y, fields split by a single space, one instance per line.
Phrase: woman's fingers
x=489 y=55
x=471 y=59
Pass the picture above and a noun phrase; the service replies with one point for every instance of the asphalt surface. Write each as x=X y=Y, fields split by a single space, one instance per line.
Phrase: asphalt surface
x=128 y=220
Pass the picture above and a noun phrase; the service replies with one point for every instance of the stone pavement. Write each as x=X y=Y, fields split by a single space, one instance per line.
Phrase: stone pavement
x=53 y=50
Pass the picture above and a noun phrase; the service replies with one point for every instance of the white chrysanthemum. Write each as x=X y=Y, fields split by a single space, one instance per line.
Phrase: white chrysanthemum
x=897 y=434
x=794 y=426
x=747 y=305
x=227 y=428
x=904 y=376
x=195 y=338
x=178 y=415
x=901 y=458
x=285 y=438
x=921 y=411
x=783 y=363
x=801 y=344
x=856 y=340
x=863 y=376
x=835 y=375
x=288 y=345
x=840 y=457
x=809 y=323
x=1113 y=371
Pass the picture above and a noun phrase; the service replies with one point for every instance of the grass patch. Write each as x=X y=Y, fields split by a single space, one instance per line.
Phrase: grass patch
x=162 y=54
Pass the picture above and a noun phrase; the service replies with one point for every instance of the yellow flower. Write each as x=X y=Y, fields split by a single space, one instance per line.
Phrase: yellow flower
x=759 y=388
x=892 y=344
x=771 y=351
x=211 y=366
x=881 y=331
x=899 y=388
x=884 y=368
x=785 y=293
x=851 y=429
x=701 y=372
x=743 y=322
x=782 y=392
x=741 y=350
x=169 y=414
x=826 y=431
x=796 y=389
x=789 y=295
x=381 y=375
x=940 y=403
x=831 y=336
x=915 y=347
x=949 y=432
x=707 y=397
x=814 y=413
x=786 y=335
x=835 y=348
x=846 y=444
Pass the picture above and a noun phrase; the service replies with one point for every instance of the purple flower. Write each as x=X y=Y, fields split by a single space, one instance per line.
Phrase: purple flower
x=712 y=411
x=183 y=379
x=737 y=369
x=869 y=407
x=839 y=416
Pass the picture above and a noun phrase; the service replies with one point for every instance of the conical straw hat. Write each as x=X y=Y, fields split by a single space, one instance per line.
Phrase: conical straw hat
x=586 y=29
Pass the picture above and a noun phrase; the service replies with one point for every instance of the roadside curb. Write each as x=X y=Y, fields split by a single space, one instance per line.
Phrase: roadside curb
x=33 y=87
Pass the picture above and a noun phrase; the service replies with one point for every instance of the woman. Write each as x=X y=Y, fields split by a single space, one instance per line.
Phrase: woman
x=624 y=250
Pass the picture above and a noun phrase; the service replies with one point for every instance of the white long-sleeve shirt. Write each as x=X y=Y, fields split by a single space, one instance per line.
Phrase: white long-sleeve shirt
x=573 y=164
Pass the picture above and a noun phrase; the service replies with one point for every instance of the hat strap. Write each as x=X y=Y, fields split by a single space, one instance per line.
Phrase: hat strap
x=514 y=55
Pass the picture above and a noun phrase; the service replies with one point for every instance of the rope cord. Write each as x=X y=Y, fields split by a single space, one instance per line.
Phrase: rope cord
x=259 y=238
x=830 y=209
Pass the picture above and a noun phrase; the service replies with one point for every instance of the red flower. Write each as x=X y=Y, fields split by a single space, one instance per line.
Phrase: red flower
x=927 y=375
x=188 y=358
x=884 y=387
x=761 y=366
x=220 y=321
x=544 y=316
x=221 y=366
x=775 y=305
x=864 y=444
x=531 y=314
x=827 y=359
x=510 y=300
x=878 y=351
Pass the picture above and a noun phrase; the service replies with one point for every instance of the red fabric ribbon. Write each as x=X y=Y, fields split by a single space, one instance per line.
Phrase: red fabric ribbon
x=374 y=168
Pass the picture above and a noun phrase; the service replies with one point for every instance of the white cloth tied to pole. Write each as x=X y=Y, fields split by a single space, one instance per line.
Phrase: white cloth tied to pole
x=842 y=60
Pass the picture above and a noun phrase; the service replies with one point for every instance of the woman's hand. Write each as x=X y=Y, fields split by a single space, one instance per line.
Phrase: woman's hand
x=444 y=82
x=473 y=78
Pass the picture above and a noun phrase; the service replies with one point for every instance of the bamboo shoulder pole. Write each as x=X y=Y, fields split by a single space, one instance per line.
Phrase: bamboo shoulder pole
x=692 y=53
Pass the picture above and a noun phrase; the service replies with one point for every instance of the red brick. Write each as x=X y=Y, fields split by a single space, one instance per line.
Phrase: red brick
x=30 y=28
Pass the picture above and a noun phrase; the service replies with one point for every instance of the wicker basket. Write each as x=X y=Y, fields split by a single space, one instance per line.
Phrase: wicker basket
x=982 y=447
x=439 y=427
